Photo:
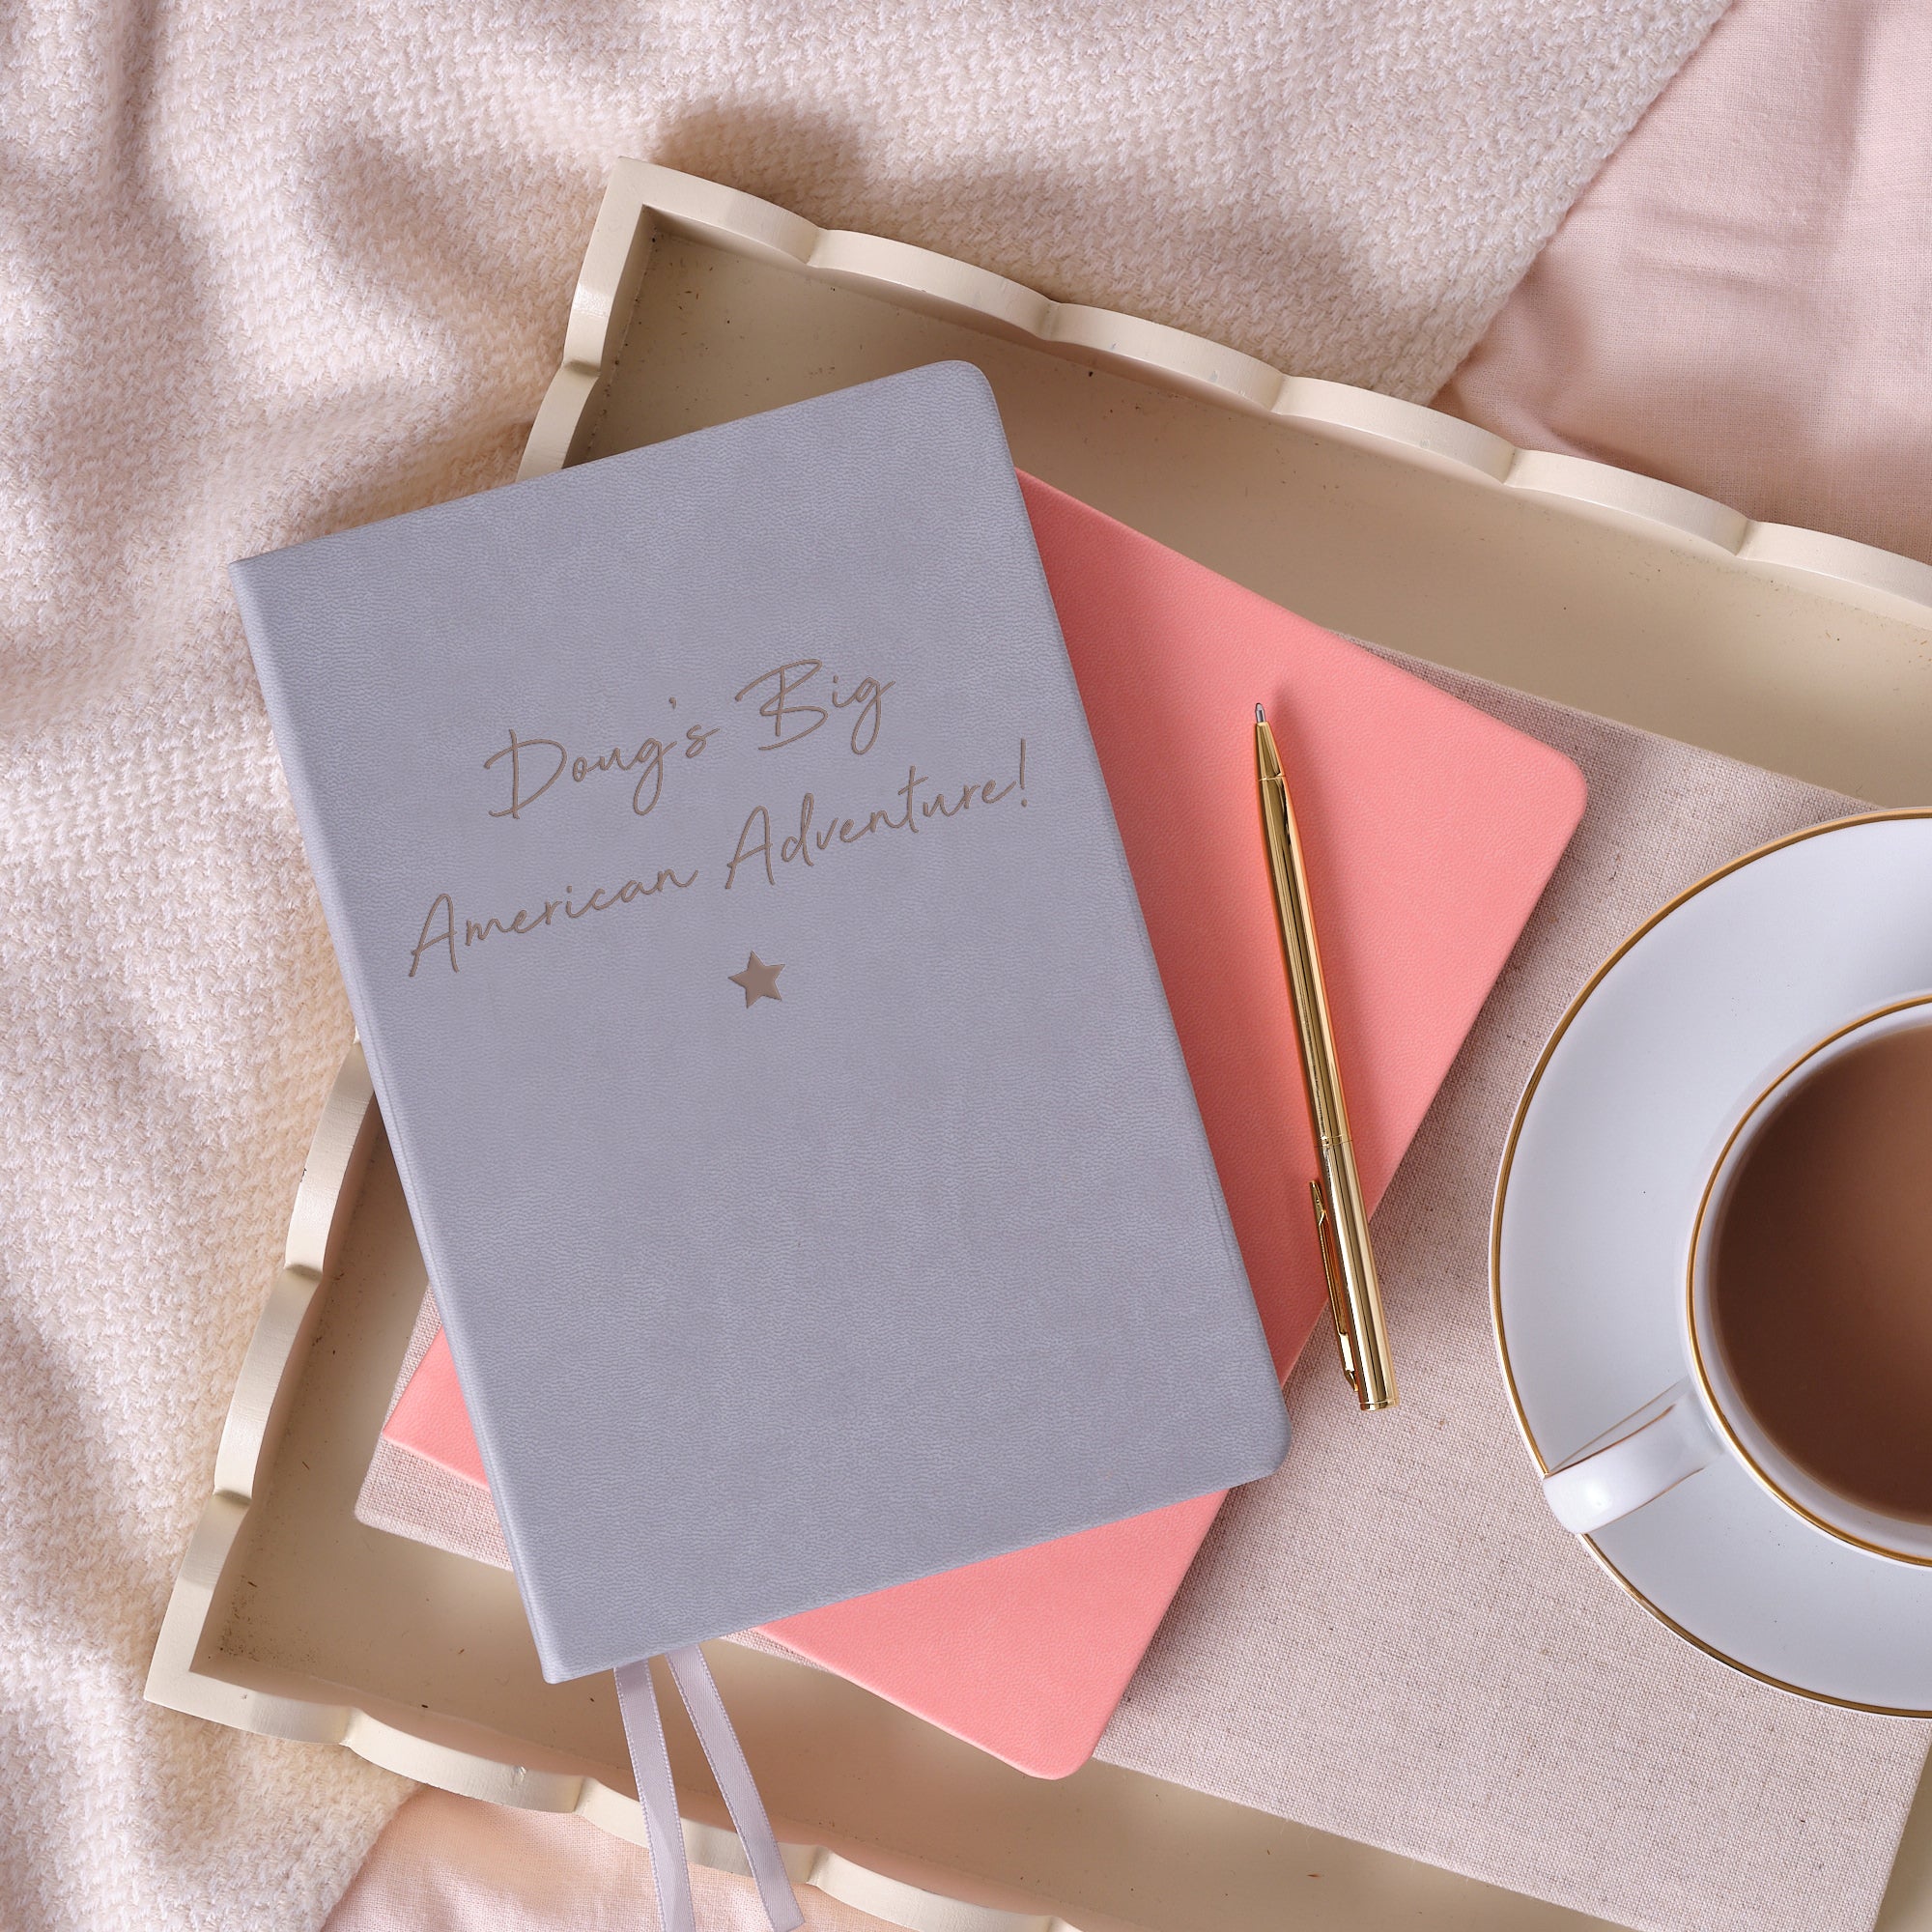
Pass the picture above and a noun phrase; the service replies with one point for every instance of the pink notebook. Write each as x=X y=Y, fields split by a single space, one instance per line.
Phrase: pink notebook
x=1430 y=830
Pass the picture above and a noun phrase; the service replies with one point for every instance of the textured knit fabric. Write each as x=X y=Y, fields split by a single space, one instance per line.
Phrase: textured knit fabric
x=269 y=272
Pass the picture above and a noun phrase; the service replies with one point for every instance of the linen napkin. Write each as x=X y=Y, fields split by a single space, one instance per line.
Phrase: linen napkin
x=1391 y=1638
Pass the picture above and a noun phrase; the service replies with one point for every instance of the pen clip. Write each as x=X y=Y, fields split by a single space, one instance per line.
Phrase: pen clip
x=1338 y=1305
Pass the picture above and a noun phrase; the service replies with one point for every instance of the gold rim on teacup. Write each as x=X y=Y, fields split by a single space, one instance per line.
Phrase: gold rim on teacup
x=1713 y=1401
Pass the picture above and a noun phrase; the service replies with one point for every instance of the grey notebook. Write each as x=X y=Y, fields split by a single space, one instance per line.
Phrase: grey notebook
x=757 y=1000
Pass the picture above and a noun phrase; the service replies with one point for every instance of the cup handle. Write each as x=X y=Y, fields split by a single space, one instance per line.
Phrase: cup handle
x=1634 y=1462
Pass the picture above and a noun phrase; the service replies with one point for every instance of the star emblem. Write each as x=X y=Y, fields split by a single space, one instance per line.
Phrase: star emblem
x=759 y=981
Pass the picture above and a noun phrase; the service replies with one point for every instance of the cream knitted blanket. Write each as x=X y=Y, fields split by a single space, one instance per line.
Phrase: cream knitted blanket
x=266 y=272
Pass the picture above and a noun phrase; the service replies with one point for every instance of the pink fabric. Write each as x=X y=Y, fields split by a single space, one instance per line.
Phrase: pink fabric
x=1740 y=302
x=454 y=1865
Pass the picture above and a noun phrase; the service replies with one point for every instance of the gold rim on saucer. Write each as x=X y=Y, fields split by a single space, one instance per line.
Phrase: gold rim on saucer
x=1549 y=1047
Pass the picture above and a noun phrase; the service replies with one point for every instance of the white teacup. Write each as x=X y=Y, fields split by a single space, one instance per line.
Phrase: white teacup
x=1704 y=1416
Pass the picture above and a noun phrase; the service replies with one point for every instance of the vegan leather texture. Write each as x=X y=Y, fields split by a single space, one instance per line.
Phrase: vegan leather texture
x=760 y=1303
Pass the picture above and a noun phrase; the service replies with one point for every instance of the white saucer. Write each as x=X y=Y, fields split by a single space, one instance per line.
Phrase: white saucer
x=1618 y=1128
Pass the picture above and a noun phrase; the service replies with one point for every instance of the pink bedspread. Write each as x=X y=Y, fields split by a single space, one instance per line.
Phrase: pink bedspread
x=452 y=1865
x=1742 y=301
x=1739 y=304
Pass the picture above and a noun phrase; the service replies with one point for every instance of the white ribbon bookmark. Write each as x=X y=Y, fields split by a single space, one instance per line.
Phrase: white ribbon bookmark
x=651 y=1763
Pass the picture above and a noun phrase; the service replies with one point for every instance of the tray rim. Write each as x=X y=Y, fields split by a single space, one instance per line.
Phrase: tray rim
x=641 y=197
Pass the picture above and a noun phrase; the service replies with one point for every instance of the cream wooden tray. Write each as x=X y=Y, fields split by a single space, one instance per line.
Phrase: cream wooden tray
x=1578 y=582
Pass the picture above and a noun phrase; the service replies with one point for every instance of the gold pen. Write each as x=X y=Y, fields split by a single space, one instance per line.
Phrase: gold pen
x=1341 y=1215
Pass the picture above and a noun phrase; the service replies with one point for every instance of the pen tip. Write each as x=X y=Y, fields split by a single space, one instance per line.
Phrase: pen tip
x=1261 y=715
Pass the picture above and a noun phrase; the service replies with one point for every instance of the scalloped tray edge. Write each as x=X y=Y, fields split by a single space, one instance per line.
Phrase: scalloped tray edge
x=642 y=195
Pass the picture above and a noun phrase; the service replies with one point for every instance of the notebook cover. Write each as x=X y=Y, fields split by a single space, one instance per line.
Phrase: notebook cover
x=1432 y=830
x=763 y=1294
